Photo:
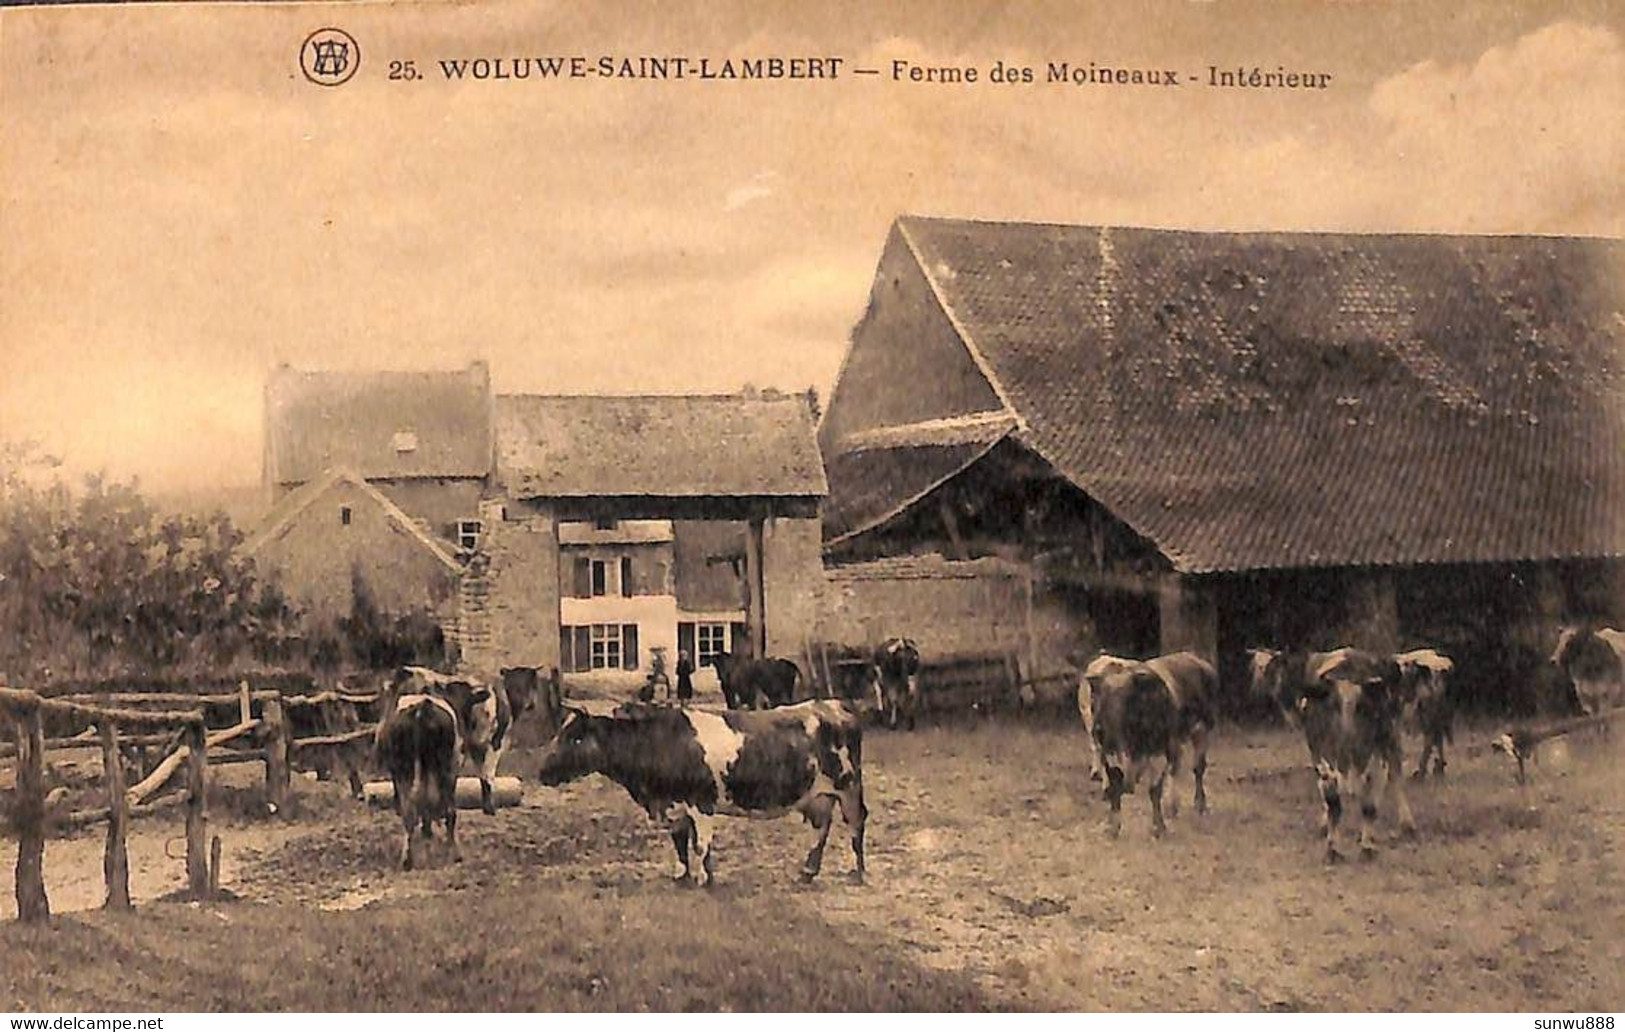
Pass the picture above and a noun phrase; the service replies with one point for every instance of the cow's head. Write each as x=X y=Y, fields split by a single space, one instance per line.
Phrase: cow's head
x=1263 y=669
x=575 y=750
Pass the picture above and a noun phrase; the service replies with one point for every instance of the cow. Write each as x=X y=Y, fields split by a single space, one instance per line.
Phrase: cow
x=1593 y=660
x=1096 y=669
x=755 y=683
x=1194 y=684
x=897 y=681
x=530 y=688
x=1428 y=710
x=1134 y=719
x=418 y=743
x=1288 y=679
x=686 y=766
x=1350 y=713
x=483 y=718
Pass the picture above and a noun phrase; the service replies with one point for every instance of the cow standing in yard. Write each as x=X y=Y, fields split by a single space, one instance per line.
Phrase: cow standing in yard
x=686 y=766
x=1135 y=726
x=1428 y=709
x=1594 y=662
x=755 y=683
x=897 y=681
x=1194 y=684
x=484 y=717
x=418 y=743
x=1350 y=716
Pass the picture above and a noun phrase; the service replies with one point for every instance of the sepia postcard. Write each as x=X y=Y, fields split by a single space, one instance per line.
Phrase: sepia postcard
x=991 y=507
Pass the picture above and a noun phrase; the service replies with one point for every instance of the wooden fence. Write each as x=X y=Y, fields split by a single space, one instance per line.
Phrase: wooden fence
x=184 y=739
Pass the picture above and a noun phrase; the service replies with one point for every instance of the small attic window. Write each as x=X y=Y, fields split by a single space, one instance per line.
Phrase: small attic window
x=344 y=515
x=405 y=441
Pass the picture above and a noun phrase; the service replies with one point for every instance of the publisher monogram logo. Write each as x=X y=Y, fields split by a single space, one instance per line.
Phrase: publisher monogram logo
x=329 y=57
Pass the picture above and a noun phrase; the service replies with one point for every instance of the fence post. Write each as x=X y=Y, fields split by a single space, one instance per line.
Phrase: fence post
x=116 y=860
x=276 y=754
x=197 y=813
x=32 y=903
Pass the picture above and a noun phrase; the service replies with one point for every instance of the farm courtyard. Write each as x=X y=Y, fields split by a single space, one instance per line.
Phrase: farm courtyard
x=991 y=886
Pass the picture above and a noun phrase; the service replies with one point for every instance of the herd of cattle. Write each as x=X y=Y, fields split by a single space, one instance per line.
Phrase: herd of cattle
x=767 y=756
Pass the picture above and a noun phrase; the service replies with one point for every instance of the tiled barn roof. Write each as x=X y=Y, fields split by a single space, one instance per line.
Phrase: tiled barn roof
x=1253 y=400
x=563 y=446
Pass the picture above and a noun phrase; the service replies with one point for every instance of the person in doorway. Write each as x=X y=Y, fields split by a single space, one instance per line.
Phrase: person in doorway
x=685 y=678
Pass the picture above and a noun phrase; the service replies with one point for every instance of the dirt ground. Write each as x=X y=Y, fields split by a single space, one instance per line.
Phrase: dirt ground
x=990 y=884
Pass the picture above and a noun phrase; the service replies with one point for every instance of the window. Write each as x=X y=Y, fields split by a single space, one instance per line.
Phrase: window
x=626 y=576
x=600 y=577
x=606 y=646
x=710 y=639
x=405 y=441
x=603 y=524
x=468 y=534
x=344 y=515
x=598 y=647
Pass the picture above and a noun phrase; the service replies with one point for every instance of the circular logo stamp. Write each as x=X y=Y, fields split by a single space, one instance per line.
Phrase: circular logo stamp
x=329 y=57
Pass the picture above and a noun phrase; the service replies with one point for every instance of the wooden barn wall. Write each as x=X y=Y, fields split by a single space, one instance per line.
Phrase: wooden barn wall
x=945 y=615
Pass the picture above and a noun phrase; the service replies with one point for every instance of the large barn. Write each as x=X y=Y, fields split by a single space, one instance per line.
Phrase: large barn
x=1220 y=440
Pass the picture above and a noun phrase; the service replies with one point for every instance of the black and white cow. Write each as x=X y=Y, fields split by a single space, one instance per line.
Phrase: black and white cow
x=418 y=744
x=686 y=766
x=1593 y=660
x=1134 y=720
x=1349 y=705
x=755 y=683
x=530 y=688
x=897 y=682
x=484 y=717
x=1428 y=709
x=1194 y=685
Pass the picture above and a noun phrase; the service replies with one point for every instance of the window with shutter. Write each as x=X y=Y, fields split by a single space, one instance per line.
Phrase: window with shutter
x=583 y=579
x=685 y=640
x=626 y=576
x=629 y=646
x=566 y=650
x=583 y=649
x=600 y=577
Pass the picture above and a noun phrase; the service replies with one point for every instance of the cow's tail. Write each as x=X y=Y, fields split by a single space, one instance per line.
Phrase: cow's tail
x=423 y=741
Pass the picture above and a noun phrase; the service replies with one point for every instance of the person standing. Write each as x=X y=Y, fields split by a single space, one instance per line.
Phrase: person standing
x=685 y=678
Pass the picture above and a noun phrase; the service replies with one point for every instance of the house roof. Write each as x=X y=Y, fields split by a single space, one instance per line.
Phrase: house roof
x=288 y=508
x=1254 y=400
x=563 y=446
x=382 y=425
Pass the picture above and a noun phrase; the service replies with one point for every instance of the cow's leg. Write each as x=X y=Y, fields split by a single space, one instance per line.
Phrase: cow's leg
x=1199 y=767
x=488 y=774
x=1371 y=785
x=820 y=813
x=1114 y=796
x=1421 y=770
x=1331 y=795
x=1086 y=710
x=1170 y=788
x=913 y=699
x=704 y=827
x=448 y=803
x=1162 y=770
x=407 y=805
x=856 y=815
x=682 y=829
x=1402 y=806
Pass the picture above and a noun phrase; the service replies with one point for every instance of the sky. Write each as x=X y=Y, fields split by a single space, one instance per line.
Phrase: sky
x=180 y=209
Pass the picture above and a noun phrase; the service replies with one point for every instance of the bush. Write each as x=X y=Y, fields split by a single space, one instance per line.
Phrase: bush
x=94 y=582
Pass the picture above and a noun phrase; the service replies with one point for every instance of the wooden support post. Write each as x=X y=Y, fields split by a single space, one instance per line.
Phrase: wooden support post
x=214 y=867
x=274 y=732
x=1029 y=692
x=29 y=814
x=245 y=705
x=116 y=859
x=755 y=621
x=197 y=811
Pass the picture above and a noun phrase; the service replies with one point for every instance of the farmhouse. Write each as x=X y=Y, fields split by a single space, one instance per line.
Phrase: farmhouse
x=588 y=533
x=1219 y=440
